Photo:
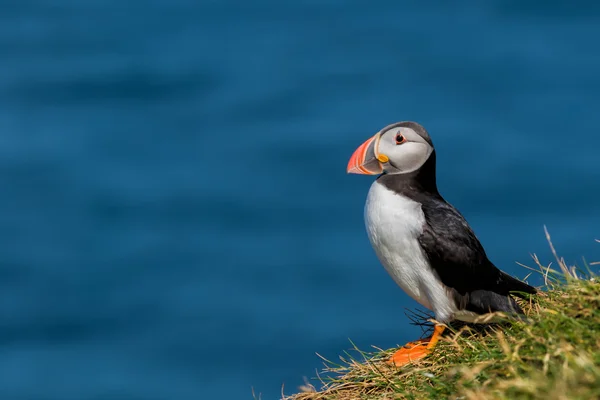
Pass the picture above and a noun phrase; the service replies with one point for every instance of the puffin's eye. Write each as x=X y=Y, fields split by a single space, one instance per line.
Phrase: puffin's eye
x=400 y=139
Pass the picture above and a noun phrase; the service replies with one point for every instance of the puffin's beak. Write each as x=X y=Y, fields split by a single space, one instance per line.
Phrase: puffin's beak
x=364 y=160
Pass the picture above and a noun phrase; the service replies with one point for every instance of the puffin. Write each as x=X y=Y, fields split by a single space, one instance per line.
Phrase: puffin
x=423 y=242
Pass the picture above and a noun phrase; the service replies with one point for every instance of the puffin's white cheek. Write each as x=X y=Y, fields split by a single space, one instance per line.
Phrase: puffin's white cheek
x=411 y=156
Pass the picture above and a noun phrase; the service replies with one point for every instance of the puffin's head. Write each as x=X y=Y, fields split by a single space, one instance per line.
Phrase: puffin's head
x=398 y=148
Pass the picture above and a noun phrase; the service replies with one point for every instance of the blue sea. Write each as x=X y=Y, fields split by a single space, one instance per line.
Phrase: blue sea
x=176 y=218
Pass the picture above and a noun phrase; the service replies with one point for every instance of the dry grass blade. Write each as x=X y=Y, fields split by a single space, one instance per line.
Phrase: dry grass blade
x=561 y=262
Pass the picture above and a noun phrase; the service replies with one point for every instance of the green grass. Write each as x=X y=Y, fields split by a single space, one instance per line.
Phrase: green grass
x=554 y=355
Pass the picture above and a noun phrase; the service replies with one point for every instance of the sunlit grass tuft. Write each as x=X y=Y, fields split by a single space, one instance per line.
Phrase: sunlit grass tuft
x=554 y=355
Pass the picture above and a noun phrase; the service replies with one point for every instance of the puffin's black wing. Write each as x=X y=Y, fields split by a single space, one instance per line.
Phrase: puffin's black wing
x=459 y=259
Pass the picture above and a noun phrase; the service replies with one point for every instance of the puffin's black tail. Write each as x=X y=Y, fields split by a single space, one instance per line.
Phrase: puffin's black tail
x=495 y=296
x=507 y=284
x=485 y=301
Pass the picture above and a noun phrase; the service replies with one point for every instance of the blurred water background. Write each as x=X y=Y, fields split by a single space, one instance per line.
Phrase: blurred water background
x=176 y=218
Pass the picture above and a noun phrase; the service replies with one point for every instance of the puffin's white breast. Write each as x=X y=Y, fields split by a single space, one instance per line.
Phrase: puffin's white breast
x=394 y=223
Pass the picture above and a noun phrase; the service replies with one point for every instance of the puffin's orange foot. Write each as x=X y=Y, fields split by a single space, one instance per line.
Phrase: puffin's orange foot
x=416 y=350
x=408 y=353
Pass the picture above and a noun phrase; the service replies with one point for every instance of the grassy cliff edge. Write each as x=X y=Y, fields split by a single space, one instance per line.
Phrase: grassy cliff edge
x=554 y=355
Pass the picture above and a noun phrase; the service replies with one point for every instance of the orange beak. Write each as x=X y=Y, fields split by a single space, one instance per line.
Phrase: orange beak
x=364 y=160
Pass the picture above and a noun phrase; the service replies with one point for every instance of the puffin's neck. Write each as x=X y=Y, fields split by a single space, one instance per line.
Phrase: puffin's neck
x=422 y=180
